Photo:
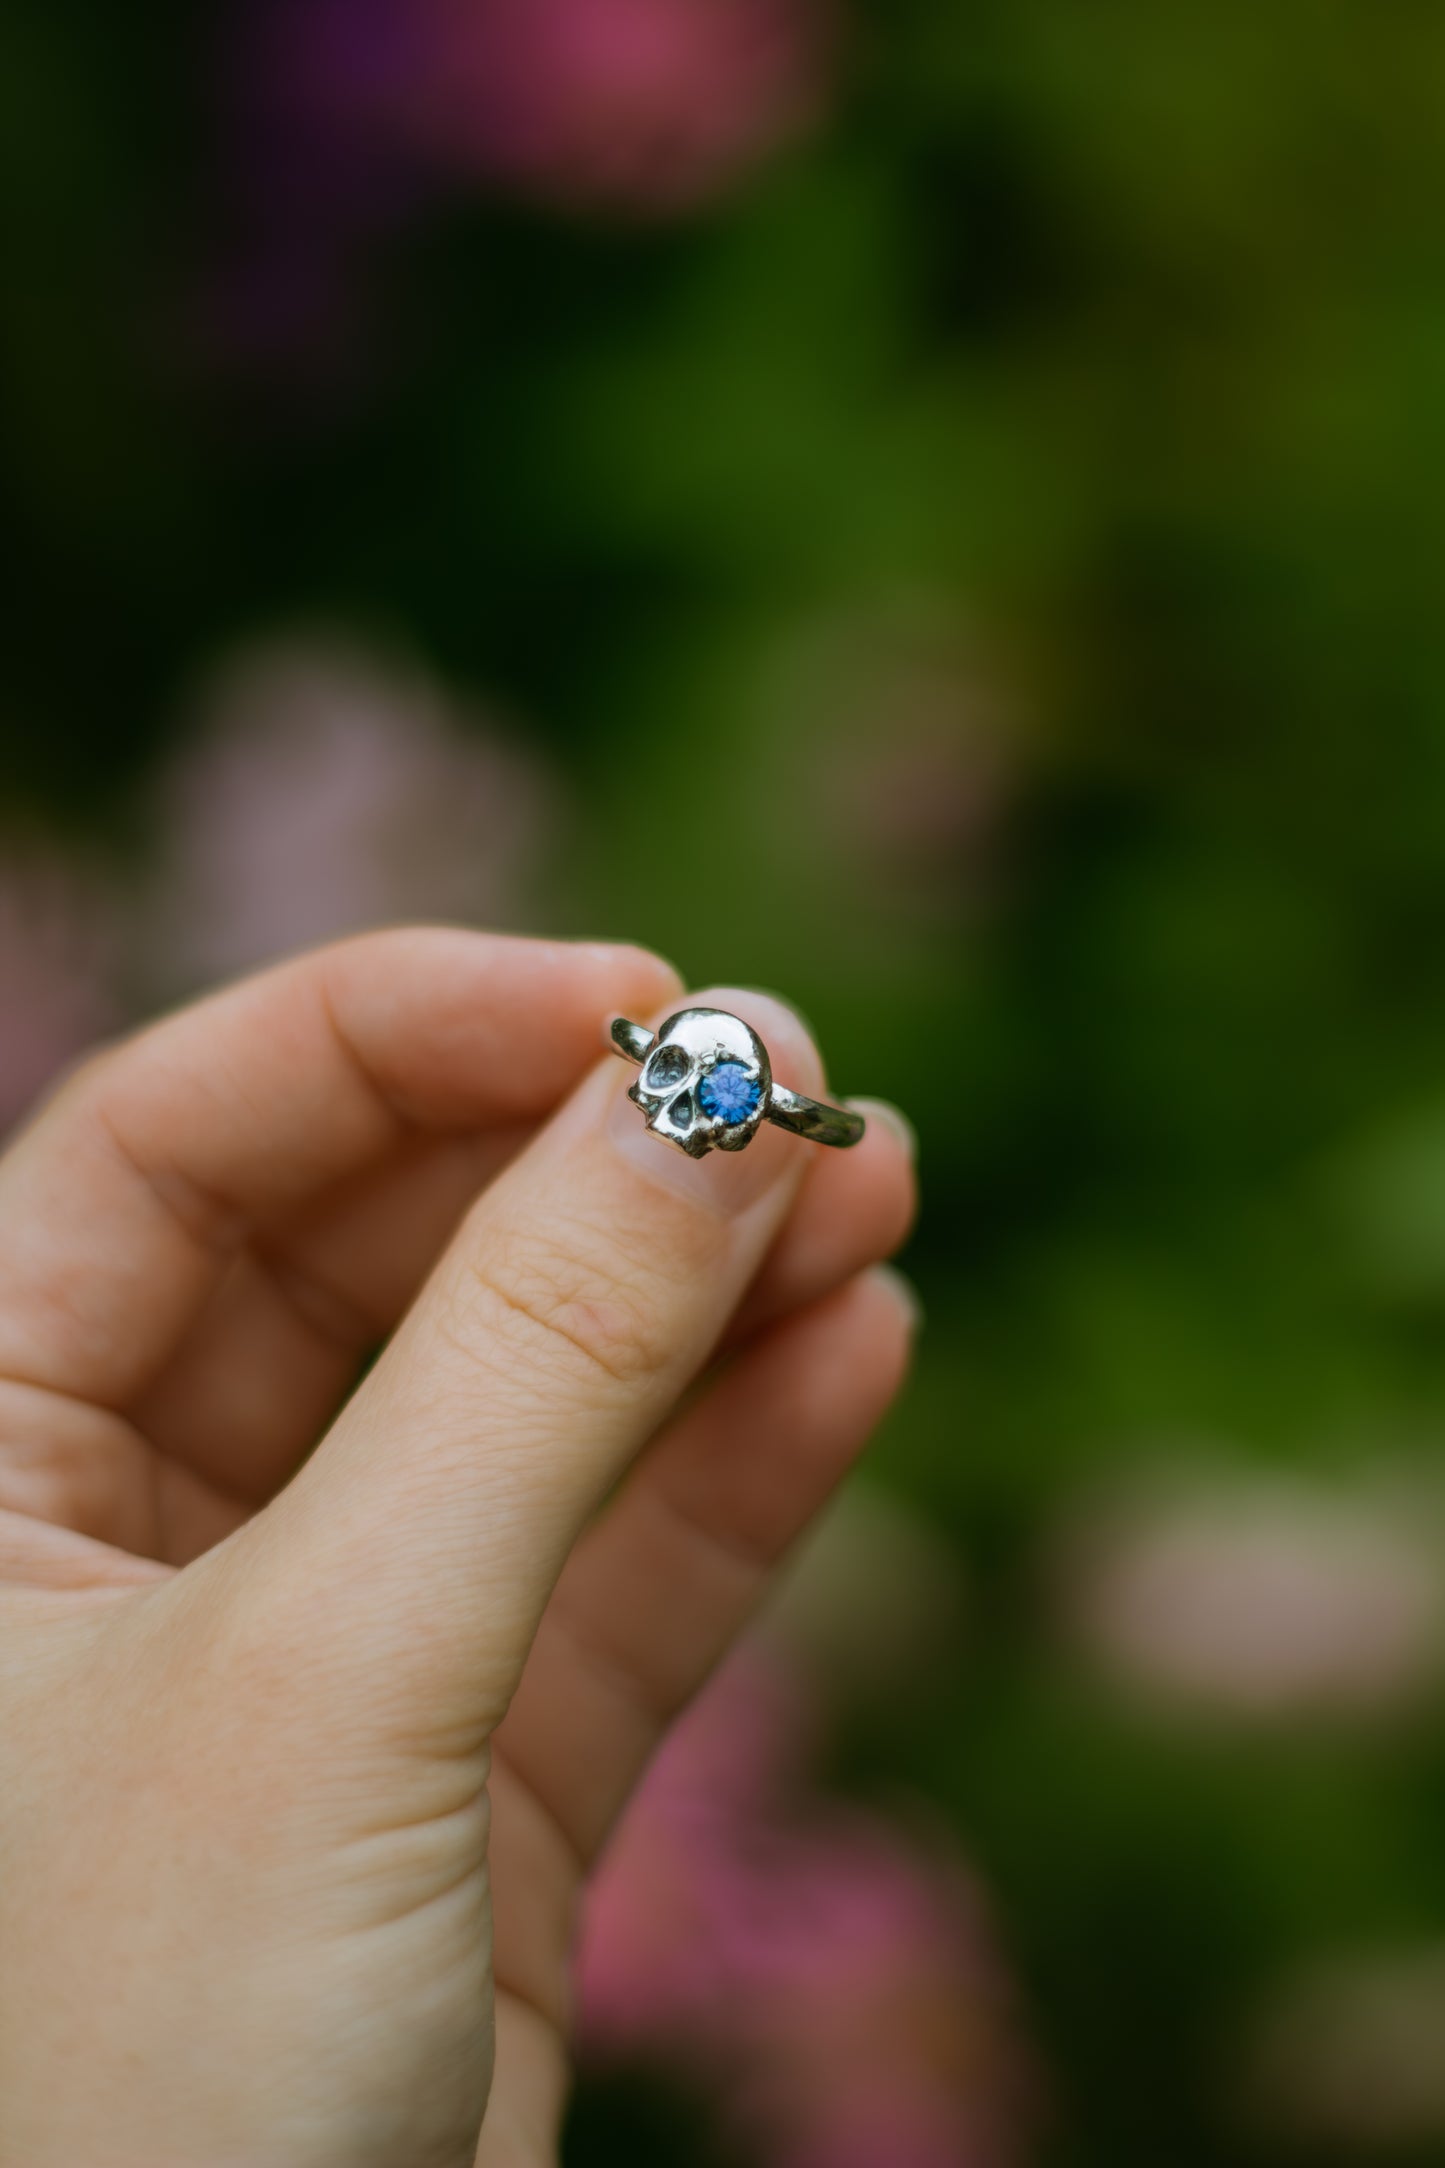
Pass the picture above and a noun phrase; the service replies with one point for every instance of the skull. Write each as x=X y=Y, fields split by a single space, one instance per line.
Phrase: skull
x=705 y=1082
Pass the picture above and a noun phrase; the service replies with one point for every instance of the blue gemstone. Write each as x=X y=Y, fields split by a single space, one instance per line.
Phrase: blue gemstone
x=728 y=1092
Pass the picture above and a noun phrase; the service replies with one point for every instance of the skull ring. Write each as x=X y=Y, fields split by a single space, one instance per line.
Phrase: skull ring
x=707 y=1084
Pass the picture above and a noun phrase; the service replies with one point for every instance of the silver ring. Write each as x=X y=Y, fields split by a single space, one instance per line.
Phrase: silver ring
x=707 y=1084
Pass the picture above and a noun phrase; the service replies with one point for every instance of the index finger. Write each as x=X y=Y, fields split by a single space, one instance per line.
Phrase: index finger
x=123 y=1202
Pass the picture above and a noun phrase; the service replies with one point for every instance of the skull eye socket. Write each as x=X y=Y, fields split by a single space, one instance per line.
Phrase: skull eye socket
x=666 y=1068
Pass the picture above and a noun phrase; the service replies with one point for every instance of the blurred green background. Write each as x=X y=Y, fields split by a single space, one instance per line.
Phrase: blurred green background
x=939 y=510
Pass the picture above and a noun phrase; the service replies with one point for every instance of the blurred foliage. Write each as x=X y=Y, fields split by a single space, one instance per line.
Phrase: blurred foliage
x=1070 y=402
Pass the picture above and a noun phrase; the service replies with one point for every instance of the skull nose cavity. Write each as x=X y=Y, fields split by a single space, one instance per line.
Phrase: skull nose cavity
x=729 y=1092
x=667 y=1067
x=680 y=1112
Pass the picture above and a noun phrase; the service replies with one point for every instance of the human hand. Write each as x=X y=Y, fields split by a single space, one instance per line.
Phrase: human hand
x=305 y=1757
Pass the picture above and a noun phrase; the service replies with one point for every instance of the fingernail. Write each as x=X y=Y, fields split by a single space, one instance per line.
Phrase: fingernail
x=902 y=1291
x=891 y=1118
x=728 y=1182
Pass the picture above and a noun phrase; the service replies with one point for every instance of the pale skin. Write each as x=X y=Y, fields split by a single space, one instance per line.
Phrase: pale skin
x=308 y=1746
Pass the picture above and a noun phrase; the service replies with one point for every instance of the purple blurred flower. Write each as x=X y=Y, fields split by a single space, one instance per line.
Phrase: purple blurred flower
x=57 y=969
x=326 y=792
x=316 y=170
x=834 y=1981
x=340 y=118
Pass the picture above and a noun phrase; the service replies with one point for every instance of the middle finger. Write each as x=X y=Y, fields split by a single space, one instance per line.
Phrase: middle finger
x=281 y=1342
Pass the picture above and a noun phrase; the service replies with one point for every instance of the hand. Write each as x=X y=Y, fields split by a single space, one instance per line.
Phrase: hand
x=305 y=1757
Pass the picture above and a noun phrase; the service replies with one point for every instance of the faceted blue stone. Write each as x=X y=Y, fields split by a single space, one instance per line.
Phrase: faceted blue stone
x=728 y=1092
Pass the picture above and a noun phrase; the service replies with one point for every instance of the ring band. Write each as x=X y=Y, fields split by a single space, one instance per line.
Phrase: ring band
x=707 y=1084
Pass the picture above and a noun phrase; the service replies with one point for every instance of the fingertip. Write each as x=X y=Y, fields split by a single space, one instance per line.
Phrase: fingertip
x=650 y=977
x=856 y=1208
x=783 y=1423
x=882 y=1191
x=848 y=1355
x=861 y=1335
x=872 y=1323
x=887 y=1284
x=881 y=1186
x=435 y=1007
x=886 y=1115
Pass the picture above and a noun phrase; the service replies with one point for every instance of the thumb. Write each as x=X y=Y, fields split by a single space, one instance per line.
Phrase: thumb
x=583 y=1293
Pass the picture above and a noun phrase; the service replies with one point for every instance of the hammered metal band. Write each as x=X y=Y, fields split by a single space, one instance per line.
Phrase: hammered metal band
x=707 y=1085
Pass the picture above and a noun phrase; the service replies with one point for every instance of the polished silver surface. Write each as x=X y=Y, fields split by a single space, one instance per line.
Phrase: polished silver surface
x=707 y=1085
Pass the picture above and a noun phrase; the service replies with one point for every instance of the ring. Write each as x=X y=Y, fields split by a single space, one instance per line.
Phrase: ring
x=707 y=1084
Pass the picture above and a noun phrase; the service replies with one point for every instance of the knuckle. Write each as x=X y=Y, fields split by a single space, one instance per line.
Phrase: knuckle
x=554 y=1306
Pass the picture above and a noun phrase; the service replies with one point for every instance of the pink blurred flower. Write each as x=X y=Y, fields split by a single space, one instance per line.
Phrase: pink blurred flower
x=57 y=970
x=1262 y=1599
x=835 y=1982
x=870 y=2005
x=660 y=1910
x=341 y=119
x=328 y=791
x=649 y=106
